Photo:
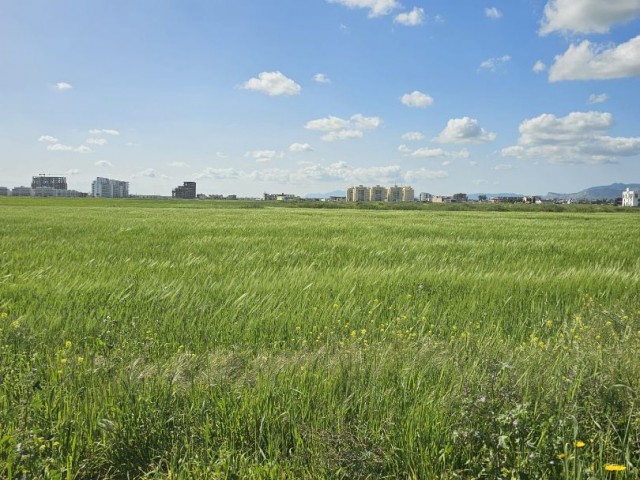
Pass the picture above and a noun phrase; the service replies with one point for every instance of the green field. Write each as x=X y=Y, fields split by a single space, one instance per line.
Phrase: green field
x=238 y=340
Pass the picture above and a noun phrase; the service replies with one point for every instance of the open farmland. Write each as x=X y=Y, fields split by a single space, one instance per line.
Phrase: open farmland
x=139 y=339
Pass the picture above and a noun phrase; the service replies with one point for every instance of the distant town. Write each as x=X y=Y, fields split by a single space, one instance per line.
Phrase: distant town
x=44 y=185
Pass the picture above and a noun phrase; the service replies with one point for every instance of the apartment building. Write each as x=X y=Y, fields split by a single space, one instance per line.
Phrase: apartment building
x=187 y=190
x=379 y=193
x=45 y=181
x=629 y=198
x=358 y=194
x=109 y=188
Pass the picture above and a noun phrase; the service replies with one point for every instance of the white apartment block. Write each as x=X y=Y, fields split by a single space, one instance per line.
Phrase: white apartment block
x=629 y=198
x=109 y=188
x=378 y=193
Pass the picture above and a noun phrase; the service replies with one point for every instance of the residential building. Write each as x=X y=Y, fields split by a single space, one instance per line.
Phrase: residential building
x=394 y=194
x=4 y=191
x=109 y=188
x=187 y=190
x=22 y=192
x=377 y=194
x=442 y=199
x=460 y=198
x=358 y=194
x=426 y=197
x=280 y=197
x=58 y=183
x=629 y=198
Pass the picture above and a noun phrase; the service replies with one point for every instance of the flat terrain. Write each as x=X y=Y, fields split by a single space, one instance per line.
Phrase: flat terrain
x=238 y=340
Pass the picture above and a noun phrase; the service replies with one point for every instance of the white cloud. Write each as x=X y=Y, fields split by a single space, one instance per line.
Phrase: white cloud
x=426 y=152
x=376 y=8
x=96 y=141
x=404 y=149
x=58 y=147
x=416 y=99
x=264 y=155
x=346 y=134
x=579 y=137
x=178 y=164
x=149 y=173
x=411 y=19
x=587 y=16
x=539 y=67
x=63 y=86
x=48 y=139
x=104 y=131
x=479 y=181
x=103 y=164
x=598 y=98
x=503 y=166
x=321 y=78
x=413 y=136
x=493 y=13
x=220 y=174
x=586 y=61
x=327 y=124
x=72 y=171
x=272 y=84
x=341 y=129
x=425 y=174
x=300 y=147
x=492 y=64
x=464 y=130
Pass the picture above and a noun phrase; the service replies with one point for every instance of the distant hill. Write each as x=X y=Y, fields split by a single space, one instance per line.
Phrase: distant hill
x=603 y=192
x=335 y=193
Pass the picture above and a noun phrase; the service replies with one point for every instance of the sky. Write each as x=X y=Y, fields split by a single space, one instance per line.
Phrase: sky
x=305 y=96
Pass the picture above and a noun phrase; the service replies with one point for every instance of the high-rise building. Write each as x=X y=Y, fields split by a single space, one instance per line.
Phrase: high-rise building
x=377 y=194
x=186 y=190
x=629 y=198
x=57 y=183
x=426 y=197
x=109 y=188
x=358 y=194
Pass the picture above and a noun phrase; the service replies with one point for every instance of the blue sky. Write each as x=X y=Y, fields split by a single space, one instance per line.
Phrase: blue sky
x=248 y=96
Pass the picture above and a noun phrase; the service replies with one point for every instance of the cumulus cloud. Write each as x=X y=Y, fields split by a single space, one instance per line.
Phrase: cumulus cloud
x=341 y=129
x=272 y=84
x=587 y=16
x=59 y=147
x=149 y=173
x=503 y=166
x=411 y=19
x=598 y=98
x=376 y=8
x=413 y=136
x=63 y=86
x=321 y=78
x=586 y=61
x=464 y=130
x=104 y=131
x=96 y=141
x=220 y=174
x=48 y=139
x=300 y=147
x=264 y=155
x=539 y=67
x=427 y=152
x=416 y=99
x=579 y=137
x=493 y=13
x=103 y=164
x=493 y=64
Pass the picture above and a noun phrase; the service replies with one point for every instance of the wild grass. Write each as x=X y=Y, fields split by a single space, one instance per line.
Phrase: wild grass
x=154 y=340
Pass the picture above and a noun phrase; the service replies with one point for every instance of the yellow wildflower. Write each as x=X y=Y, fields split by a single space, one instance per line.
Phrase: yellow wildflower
x=560 y=456
x=68 y=344
x=614 y=467
x=580 y=444
x=63 y=361
x=80 y=359
x=4 y=315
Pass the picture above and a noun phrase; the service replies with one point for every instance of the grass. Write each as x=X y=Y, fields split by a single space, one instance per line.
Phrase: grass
x=218 y=340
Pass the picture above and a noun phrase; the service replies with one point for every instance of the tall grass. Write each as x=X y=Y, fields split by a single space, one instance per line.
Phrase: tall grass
x=142 y=340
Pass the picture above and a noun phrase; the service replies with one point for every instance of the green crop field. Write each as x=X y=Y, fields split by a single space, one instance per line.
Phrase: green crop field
x=222 y=340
